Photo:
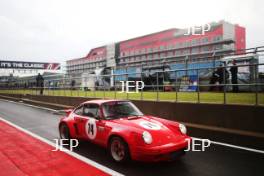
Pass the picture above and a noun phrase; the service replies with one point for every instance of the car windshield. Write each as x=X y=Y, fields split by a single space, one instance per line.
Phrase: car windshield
x=118 y=109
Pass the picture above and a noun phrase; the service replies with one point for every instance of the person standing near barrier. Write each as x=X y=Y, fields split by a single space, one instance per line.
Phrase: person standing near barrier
x=223 y=76
x=234 y=71
x=40 y=83
x=214 y=78
x=73 y=84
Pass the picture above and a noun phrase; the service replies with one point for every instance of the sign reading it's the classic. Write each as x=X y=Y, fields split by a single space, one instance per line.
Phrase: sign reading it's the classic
x=29 y=65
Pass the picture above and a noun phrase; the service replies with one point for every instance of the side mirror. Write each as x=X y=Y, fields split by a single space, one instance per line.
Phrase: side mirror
x=68 y=111
x=98 y=118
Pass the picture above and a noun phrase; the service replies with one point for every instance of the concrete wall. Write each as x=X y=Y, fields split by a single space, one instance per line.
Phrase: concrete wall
x=227 y=116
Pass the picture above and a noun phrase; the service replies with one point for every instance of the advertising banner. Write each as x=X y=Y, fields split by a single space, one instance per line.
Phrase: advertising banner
x=29 y=65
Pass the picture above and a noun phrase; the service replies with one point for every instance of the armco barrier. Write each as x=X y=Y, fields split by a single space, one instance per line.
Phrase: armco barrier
x=236 y=124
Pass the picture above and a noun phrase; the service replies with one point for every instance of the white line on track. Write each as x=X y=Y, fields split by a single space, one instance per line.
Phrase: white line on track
x=238 y=147
x=233 y=146
x=213 y=142
x=75 y=155
x=33 y=106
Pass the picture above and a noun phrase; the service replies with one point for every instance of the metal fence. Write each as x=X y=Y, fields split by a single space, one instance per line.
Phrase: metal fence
x=182 y=85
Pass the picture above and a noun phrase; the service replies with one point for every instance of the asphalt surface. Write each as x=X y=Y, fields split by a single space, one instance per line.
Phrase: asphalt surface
x=214 y=161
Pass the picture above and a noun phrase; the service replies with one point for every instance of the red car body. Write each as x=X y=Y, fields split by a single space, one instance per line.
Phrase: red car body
x=162 y=139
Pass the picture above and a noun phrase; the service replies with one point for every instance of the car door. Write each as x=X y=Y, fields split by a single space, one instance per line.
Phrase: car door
x=95 y=126
x=80 y=122
x=91 y=115
x=90 y=124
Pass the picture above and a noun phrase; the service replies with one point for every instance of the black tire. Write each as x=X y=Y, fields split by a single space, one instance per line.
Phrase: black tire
x=64 y=131
x=118 y=150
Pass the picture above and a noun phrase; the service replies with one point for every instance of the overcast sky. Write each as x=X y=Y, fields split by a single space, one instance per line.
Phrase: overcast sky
x=58 y=30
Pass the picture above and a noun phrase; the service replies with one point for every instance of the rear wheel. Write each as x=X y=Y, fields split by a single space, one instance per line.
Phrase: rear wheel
x=118 y=149
x=64 y=131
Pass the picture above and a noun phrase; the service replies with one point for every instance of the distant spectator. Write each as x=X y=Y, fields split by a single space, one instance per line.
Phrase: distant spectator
x=234 y=71
x=218 y=77
x=40 y=83
x=72 y=84
x=213 y=80
x=223 y=76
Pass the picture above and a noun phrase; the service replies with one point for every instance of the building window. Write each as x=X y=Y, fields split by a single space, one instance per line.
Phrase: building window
x=205 y=40
x=162 y=55
x=170 y=46
x=194 y=60
x=188 y=43
x=150 y=56
x=195 y=50
x=149 y=50
x=170 y=53
x=177 y=53
x=186 y=51
x=217 y=38
x=218 y=47
x=161 y=47
x=178 y=45
x=195 y=41
x=205 y=48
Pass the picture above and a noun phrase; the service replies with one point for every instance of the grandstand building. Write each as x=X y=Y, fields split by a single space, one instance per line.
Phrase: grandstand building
x=172 y=47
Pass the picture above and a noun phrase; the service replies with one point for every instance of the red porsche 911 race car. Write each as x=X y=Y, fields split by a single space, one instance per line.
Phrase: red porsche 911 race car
x=119 y=126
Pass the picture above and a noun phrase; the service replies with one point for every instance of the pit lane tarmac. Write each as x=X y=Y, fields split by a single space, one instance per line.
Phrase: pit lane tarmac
x=216 y=160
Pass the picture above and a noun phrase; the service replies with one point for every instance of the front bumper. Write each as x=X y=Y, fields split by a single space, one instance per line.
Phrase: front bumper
x=165 y=152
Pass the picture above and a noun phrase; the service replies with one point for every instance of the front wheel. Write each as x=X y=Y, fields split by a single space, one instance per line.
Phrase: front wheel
x=118 y=149
x=64 y=131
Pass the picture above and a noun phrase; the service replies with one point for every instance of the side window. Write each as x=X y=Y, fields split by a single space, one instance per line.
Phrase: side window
x=79 y=110
x=91 y=110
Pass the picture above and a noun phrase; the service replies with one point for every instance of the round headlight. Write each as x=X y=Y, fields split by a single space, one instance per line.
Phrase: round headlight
x=147 y=137
x=182 y=129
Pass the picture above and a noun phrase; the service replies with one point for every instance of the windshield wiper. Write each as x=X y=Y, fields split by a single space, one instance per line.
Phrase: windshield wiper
x=134 y=115
x=115 y=116
x=120 y=115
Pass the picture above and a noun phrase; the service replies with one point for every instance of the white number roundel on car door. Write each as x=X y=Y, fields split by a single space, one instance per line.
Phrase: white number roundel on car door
x=91 y=128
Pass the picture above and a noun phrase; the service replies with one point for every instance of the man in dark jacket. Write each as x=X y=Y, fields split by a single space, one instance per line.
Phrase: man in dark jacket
x=40 y=83
x=214 y=78
x=234 y=71
x=223 y=76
